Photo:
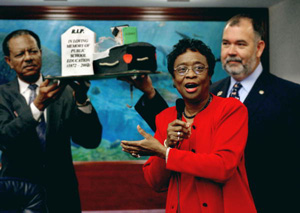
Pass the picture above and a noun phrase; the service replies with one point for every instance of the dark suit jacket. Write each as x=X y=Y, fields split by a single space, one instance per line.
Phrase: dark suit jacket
x=21 y=151
x=271 y=160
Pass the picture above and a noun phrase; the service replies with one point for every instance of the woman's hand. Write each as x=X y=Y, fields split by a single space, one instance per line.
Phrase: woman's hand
x=80 y=88
x=141 y=82
x=147 y=147
x=177 y=131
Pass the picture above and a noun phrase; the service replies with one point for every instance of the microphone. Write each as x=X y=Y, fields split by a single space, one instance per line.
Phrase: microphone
x=179 y=107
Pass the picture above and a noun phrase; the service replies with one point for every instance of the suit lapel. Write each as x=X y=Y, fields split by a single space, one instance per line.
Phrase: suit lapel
x=258 y=93
x=223 y=88
x=18 y=101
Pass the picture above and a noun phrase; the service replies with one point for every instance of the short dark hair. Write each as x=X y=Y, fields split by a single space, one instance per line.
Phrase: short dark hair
x=194 y=45
x=17 y=33
x=256 y=21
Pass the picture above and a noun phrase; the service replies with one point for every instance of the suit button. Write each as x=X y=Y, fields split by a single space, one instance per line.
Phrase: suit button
x=193 y=150
x=194 y=127
x=204 y=204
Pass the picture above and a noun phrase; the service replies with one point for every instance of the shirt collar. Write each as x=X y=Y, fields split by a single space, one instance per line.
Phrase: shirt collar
x=250 y=80
x=23 y=86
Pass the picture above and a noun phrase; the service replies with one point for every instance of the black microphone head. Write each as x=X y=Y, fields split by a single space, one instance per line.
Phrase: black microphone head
x=179 y=108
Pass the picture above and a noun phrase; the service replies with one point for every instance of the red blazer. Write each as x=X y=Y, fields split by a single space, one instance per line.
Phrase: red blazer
x=210 y=164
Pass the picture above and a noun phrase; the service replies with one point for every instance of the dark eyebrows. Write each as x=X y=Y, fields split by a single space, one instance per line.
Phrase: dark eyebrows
x=238 y=41
x=21 y=52
x=241 y=41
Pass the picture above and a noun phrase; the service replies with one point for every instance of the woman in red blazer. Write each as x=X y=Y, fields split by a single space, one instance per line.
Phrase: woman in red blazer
x=198 y=147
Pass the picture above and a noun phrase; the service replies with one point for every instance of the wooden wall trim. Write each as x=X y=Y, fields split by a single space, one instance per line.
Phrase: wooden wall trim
x=123 y=13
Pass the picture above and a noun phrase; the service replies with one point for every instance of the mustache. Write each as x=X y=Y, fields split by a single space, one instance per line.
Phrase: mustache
x=29 y=65
x=233 y=59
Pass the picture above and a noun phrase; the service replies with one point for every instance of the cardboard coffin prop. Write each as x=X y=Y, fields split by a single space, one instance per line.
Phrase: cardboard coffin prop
x=129 y=58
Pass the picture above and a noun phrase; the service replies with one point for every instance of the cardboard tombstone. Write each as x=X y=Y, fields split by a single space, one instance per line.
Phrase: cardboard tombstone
x=77 y=46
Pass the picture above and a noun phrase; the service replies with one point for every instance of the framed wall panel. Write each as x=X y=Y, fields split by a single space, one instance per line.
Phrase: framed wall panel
x=162 y=27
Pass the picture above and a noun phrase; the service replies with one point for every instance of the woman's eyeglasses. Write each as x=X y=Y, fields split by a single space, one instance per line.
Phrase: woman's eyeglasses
x=197 y=68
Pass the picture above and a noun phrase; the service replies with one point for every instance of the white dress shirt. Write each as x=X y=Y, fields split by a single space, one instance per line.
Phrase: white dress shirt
x=247 y=83
x=25 y=91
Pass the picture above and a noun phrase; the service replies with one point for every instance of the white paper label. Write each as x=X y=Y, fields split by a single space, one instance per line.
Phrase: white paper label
x=77 y=46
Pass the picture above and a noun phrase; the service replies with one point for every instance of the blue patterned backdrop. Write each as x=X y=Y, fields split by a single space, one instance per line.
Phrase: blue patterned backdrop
x=111 y=97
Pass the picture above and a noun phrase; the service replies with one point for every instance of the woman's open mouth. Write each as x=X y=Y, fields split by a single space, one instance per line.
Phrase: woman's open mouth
x=191 y=87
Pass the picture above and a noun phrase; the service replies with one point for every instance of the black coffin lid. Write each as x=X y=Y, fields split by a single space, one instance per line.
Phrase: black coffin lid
x=134 y=56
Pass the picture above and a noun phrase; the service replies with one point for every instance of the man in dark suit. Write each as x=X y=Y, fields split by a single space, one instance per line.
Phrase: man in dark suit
x=273 y=105
x=46 y=160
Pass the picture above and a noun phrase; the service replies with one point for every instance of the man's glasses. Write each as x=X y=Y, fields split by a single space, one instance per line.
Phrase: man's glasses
x=197 y=68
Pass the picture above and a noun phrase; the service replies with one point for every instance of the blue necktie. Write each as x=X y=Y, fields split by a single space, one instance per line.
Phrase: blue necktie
x=235 y=90
x=41 y=127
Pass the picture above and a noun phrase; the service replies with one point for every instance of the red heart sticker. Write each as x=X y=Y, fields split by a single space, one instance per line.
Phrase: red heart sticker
x=127 y=58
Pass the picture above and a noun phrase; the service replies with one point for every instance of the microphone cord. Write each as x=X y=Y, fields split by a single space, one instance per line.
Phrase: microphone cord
x=177 y=180
x=178 y=193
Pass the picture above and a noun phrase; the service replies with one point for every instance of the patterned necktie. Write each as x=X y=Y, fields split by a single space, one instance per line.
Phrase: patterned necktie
x=235 y=90
x=41 y=127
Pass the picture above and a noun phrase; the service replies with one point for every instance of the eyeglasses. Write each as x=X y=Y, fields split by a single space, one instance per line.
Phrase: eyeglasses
x=197 y=68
